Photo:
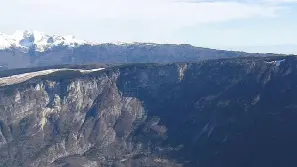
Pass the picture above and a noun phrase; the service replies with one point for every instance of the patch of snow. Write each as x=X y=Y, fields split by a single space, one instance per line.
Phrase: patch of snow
x=19 y=78
x=181 y=70
x=41 y=42
x=3 y=42
x=277 y=62
x=14 y=79
x=92 y=70
x=132 y=43
x=27 y=39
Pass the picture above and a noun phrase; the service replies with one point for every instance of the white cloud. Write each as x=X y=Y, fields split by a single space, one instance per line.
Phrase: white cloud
x=161 y=21
x=281 y=1
x=247 y=1
x=160 y=11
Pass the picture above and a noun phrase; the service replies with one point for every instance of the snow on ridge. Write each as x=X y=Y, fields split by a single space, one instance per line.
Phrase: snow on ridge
x=19 y=78
x=92 y=70
x=3 y=42
x=132 y=43
x=275 y=62
x=24 y=40
x=41 y=41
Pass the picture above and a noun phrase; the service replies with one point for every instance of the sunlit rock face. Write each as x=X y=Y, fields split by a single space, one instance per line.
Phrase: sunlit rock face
x=220 y=113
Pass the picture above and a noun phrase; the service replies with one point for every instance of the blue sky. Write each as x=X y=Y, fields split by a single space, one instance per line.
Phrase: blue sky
x=249 y=25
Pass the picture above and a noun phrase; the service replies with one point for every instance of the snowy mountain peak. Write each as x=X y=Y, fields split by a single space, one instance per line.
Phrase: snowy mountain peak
x=25 y=40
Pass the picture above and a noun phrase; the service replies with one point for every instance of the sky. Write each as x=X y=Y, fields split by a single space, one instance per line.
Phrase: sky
x=249 y=25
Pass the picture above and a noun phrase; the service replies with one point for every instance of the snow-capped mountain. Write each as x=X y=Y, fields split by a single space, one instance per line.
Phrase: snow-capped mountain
x=25 y=40
x=40 y=41
x=34 y=49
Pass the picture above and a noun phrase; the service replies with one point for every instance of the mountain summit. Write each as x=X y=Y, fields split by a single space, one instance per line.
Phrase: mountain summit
x=25 y=49
x=25 y=40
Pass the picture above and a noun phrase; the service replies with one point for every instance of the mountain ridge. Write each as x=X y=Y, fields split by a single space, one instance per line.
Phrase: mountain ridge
x=109 y=53
x=23 y=40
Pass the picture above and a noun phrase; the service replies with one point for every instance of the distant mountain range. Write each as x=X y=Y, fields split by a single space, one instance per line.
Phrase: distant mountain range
x=33 y=49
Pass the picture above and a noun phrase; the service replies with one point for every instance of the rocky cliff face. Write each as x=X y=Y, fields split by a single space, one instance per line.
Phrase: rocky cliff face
x=220 y=113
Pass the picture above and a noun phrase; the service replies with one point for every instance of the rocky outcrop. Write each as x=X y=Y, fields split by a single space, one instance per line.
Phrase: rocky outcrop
x=228 y=113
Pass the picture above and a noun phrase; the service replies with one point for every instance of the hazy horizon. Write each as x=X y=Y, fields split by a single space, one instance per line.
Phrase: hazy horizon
x=247 y=25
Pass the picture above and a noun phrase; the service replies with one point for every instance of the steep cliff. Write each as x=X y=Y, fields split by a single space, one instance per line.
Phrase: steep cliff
x=218 y=113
